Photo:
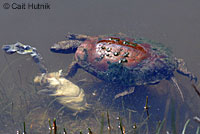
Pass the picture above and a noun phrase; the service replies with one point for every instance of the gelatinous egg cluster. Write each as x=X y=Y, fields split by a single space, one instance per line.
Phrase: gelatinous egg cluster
x=113 y=48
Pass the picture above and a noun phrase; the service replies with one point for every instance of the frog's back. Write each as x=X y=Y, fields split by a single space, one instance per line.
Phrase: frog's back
x=126 y=61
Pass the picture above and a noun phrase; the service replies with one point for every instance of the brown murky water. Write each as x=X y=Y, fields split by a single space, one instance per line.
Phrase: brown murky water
x=174 y=23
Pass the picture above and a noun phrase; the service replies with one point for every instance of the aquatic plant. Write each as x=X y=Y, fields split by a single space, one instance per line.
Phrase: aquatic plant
x=53 y=128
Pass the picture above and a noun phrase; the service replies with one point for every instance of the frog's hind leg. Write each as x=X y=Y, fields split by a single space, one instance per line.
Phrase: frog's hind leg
x=67 y=46
x=72 y=69
x=177 y=87
x=182 y=69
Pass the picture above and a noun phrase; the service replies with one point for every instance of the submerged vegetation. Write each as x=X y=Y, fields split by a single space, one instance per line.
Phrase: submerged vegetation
x=106 y=121
x=23 y=111
x=53 y=128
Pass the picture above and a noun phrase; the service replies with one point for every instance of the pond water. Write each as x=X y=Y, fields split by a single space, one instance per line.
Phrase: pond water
x=174 y=23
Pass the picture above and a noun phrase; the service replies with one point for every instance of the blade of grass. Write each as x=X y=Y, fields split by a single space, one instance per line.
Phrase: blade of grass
x=121 y=126
x=183 y=132
x=65 y=132
x=197 y=132
x=173 y=120
x=50 y=127
x=197 y=119
x=90 y=131
x=54 y=126
x=109 y=126
x=146 y=107
x=24 y=128
x=102 y=124
x=160 y=125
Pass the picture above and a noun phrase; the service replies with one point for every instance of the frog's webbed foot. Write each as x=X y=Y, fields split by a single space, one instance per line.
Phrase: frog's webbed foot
x=126 y=92
x=182 y=69
x=72 y=69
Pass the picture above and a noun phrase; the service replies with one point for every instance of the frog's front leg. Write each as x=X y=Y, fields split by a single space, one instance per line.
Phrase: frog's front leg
x=72 y=69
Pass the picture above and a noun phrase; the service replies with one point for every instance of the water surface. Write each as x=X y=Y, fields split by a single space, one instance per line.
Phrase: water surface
x=174 y=23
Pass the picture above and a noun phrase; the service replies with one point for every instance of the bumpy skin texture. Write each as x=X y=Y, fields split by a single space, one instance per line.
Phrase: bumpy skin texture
x=125 y=61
